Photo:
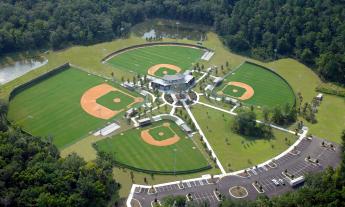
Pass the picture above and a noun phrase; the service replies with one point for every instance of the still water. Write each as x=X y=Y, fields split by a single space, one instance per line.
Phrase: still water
x=170 y=29
x=18 y=68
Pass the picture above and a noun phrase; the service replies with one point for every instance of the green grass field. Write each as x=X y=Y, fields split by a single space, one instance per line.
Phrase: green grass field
x=129 y=148
x=166 y=133
x=234 y=151
x=233 y=91
x=269 y=89
x=108 y=100
x=52 y=107
x=160 y=72
x=141 y=59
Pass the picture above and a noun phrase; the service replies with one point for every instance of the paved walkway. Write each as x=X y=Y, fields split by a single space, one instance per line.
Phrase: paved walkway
x=217 y=108
x=204 y=137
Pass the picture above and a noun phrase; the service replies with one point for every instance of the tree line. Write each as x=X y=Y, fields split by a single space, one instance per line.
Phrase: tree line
x=32 y=173
x=310 y=30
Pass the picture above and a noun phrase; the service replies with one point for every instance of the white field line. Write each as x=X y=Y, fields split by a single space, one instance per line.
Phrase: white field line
x=204 y=137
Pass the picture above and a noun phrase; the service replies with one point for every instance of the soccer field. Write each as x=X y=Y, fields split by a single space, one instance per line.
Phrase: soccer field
x=139 y=60
x=129 y=148
x=269 y=89
x=52 y=107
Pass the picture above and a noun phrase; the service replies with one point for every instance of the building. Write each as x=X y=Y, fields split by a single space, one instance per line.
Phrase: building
x=319 y=97
x=186 y=128
x=217 y=81
x=173 y=83
x=144 y=122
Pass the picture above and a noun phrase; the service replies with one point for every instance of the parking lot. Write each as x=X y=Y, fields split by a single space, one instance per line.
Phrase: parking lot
x=294 y=162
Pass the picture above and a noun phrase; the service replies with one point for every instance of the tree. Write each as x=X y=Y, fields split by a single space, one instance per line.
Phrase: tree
x=36 y=175
x=245 y=123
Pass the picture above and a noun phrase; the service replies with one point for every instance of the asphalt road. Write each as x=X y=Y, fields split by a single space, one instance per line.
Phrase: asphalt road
x=205 y=190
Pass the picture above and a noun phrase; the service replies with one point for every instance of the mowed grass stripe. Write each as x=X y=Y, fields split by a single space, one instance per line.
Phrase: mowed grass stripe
x=150 y=56
x=130 y=149
x=270 y=90
x=52 y=107
x=140 y=59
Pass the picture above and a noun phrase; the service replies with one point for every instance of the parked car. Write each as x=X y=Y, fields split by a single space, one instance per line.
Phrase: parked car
x=282 y=181
x=275 y=182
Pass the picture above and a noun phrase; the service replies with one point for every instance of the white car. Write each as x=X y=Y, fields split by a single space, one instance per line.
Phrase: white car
x=275 y=182
x=282 y=181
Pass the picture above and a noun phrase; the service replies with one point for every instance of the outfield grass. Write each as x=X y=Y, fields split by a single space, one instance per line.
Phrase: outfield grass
x=129 y=148
x=234 y=151
x=270 y=90
x=108 y=100
x=52 y=107
x=141 y=59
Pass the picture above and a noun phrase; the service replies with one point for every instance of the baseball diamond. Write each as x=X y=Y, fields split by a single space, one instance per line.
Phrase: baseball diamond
x=135 y=149
x=263 y=86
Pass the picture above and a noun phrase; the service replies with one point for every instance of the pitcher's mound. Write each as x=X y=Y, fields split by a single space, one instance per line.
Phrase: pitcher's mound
x=117 y=100
x=161 y=133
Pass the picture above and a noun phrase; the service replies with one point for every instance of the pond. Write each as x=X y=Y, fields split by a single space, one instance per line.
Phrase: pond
x=170 y=29
x=14 y=68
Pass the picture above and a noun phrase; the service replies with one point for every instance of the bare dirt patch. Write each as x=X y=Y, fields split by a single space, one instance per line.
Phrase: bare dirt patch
x=117 y=100
x=89 y=104
x=152 y=70
x=238 y=192
x=166 y=124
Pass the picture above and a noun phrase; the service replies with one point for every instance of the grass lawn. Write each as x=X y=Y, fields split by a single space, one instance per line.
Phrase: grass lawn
x=234 y=151
x=52 y=107
x=330 y=119
x=141 y=59
x=233 y=91
x=161 y=133
x=270 y=90
x=129 y=148
x=300 y=77
x=110 y=100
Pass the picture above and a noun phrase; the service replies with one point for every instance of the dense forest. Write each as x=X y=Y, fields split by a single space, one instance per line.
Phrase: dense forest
x=32 y=173
x=312 y=31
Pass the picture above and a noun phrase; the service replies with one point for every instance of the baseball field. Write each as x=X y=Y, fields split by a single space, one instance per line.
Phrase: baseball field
x=55 y=106
x=162 y=146
x=170 y=59
x=255 y=85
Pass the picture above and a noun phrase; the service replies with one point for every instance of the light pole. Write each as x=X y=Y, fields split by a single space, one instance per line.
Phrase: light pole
x=177 y=23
